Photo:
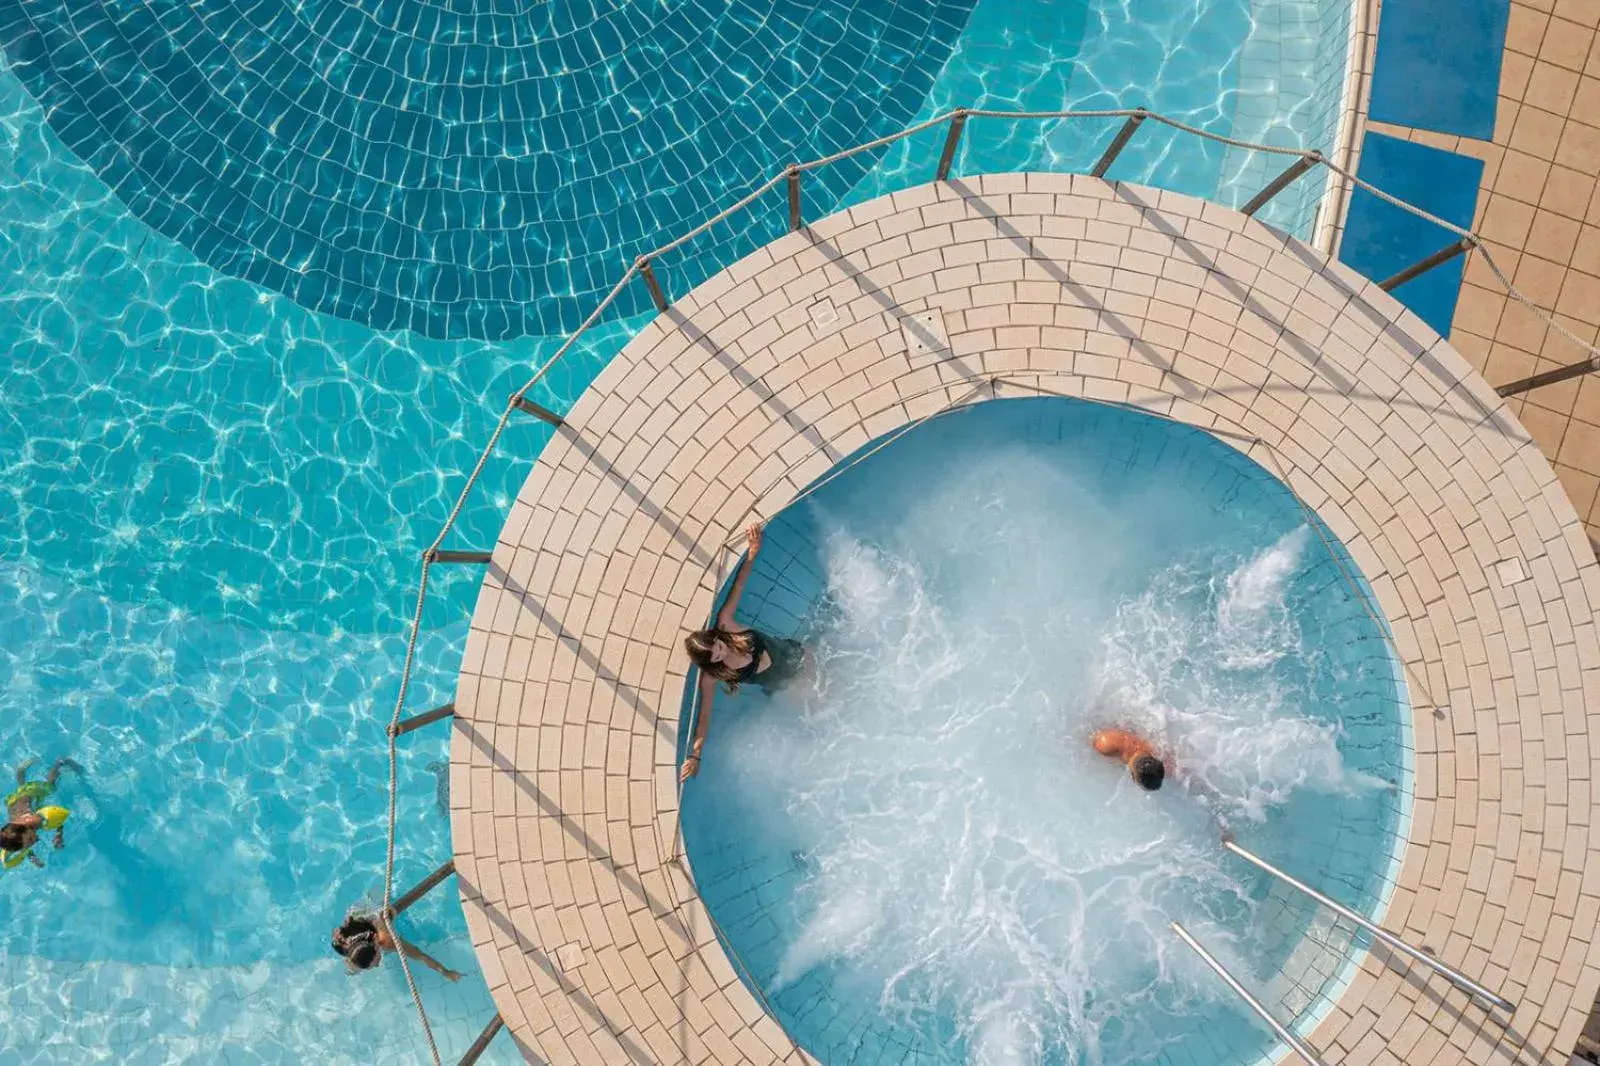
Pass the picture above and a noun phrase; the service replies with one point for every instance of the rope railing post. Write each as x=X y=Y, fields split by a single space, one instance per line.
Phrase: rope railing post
x=421 y=888
x=653 y=285
x=1119 y=142
x=1549 y=377
x=485 y=1038
x=1281 y=182
x=795 y=221
x=1422 y=266
x=958 y=122
x=440 y=555
x=1300 y=1047
x=539 y=411
x=417 y=721
x=1454 y=976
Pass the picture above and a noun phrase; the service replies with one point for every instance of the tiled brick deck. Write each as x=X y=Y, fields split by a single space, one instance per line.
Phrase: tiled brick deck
x=563 y=790
x=1538 y=211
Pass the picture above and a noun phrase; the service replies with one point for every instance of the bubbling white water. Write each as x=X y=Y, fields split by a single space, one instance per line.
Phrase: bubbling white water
x=966 y=854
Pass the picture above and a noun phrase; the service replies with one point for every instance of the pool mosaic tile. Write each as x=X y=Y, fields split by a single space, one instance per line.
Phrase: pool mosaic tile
x=479 y=173
x=1381 y=240
x=1438 y=65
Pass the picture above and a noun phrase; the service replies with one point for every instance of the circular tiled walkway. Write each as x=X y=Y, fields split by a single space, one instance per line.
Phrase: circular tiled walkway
x=564 y=804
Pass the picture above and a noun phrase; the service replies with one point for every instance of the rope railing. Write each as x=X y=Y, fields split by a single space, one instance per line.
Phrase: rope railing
x=790 y=176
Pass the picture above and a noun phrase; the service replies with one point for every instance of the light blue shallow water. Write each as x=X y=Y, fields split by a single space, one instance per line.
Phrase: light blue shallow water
x=918 y=857
x=214 y=496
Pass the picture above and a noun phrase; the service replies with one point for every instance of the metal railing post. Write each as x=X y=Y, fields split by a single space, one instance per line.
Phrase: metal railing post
x=417 y=721
x=443 y=556
x=1549 y=377
x=1118 y=143
x=539 y=411
x=794 y=198
x=422 y=888
x=958 y=122
x=1443 y=255
x=1456 y=977
x=653 y=285
x=1252 y=1002
x=1281 y=182
x=480 y=1045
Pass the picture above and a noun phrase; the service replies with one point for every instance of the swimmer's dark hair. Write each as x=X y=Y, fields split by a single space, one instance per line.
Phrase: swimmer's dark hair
x=1148 y=771
x=357 y=941
x=13 y=837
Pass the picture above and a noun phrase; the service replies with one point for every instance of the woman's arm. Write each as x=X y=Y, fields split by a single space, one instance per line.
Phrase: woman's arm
x=752 y=537
x=691 y=762
x=414 y=952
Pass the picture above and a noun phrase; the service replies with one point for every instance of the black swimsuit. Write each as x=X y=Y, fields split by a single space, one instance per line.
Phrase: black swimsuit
x=788 y=658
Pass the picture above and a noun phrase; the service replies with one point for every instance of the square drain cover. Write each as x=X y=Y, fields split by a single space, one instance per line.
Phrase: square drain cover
x=569 y=956
x=823 y=313
x=1510 y=571
x=924 y=333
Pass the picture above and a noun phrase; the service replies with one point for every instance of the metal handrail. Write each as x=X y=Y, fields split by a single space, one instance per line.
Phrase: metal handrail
x=1455 y=976
x=1300 y=1047
x=642 y=268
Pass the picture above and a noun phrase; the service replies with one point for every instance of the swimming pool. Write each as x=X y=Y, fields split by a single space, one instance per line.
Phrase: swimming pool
x=920 y=860
x=219 y=475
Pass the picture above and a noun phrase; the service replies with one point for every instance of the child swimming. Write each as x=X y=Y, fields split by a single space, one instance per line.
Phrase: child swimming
x=23 y=820
x=1143 y=765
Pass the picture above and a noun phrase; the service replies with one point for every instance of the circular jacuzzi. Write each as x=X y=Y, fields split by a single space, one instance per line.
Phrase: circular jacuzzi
x=914 y=854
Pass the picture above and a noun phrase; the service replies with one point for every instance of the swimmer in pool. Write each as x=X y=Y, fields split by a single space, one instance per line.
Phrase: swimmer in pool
x=362 y=941
x=1131 y=748
x=736 y=655
x=24 y=820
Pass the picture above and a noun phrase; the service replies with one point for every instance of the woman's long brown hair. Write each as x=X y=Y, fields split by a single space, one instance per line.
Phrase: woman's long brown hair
x=698 y=645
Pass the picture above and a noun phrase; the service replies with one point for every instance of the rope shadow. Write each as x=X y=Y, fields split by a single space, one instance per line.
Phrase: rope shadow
x=1418 y=976
x=663 y=913
x=1115 y=322
x=762 y=391
x=591 y=454
x=627 y=693
x=879 y=295
x=1244 y=294
x=1388 y=327
x=574 y=994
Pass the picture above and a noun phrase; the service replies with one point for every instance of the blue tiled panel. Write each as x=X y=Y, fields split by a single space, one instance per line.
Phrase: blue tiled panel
x=1438 y=65
x=467 y=170
x=1381 y=240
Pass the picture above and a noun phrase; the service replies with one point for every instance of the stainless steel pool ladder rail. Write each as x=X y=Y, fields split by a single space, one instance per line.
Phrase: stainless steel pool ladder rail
x=1453 y=975
x=1299 y=1045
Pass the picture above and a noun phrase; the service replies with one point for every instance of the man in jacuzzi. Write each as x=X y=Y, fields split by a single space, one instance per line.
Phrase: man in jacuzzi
x=1136 y=751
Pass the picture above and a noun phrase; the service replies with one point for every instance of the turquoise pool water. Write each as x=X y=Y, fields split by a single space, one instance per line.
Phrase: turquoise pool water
x=916 y=855
x=218 y=475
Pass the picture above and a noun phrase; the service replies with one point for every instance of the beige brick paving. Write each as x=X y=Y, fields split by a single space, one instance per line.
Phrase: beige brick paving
x=1539 y=212
x=563 y=790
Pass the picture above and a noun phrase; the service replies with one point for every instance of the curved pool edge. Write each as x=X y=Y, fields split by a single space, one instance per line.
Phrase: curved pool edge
x=563 y=753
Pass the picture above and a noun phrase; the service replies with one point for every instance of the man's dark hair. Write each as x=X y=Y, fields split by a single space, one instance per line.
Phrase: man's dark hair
x=13 y=837
x=364 y=956
x=1148 y=771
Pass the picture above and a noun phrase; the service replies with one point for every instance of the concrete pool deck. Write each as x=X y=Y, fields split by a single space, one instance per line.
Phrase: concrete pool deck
x=563 y=796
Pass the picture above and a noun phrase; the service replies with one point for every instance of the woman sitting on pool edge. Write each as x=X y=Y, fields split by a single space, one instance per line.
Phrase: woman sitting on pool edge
x=1143 y=764
x=736 y=654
